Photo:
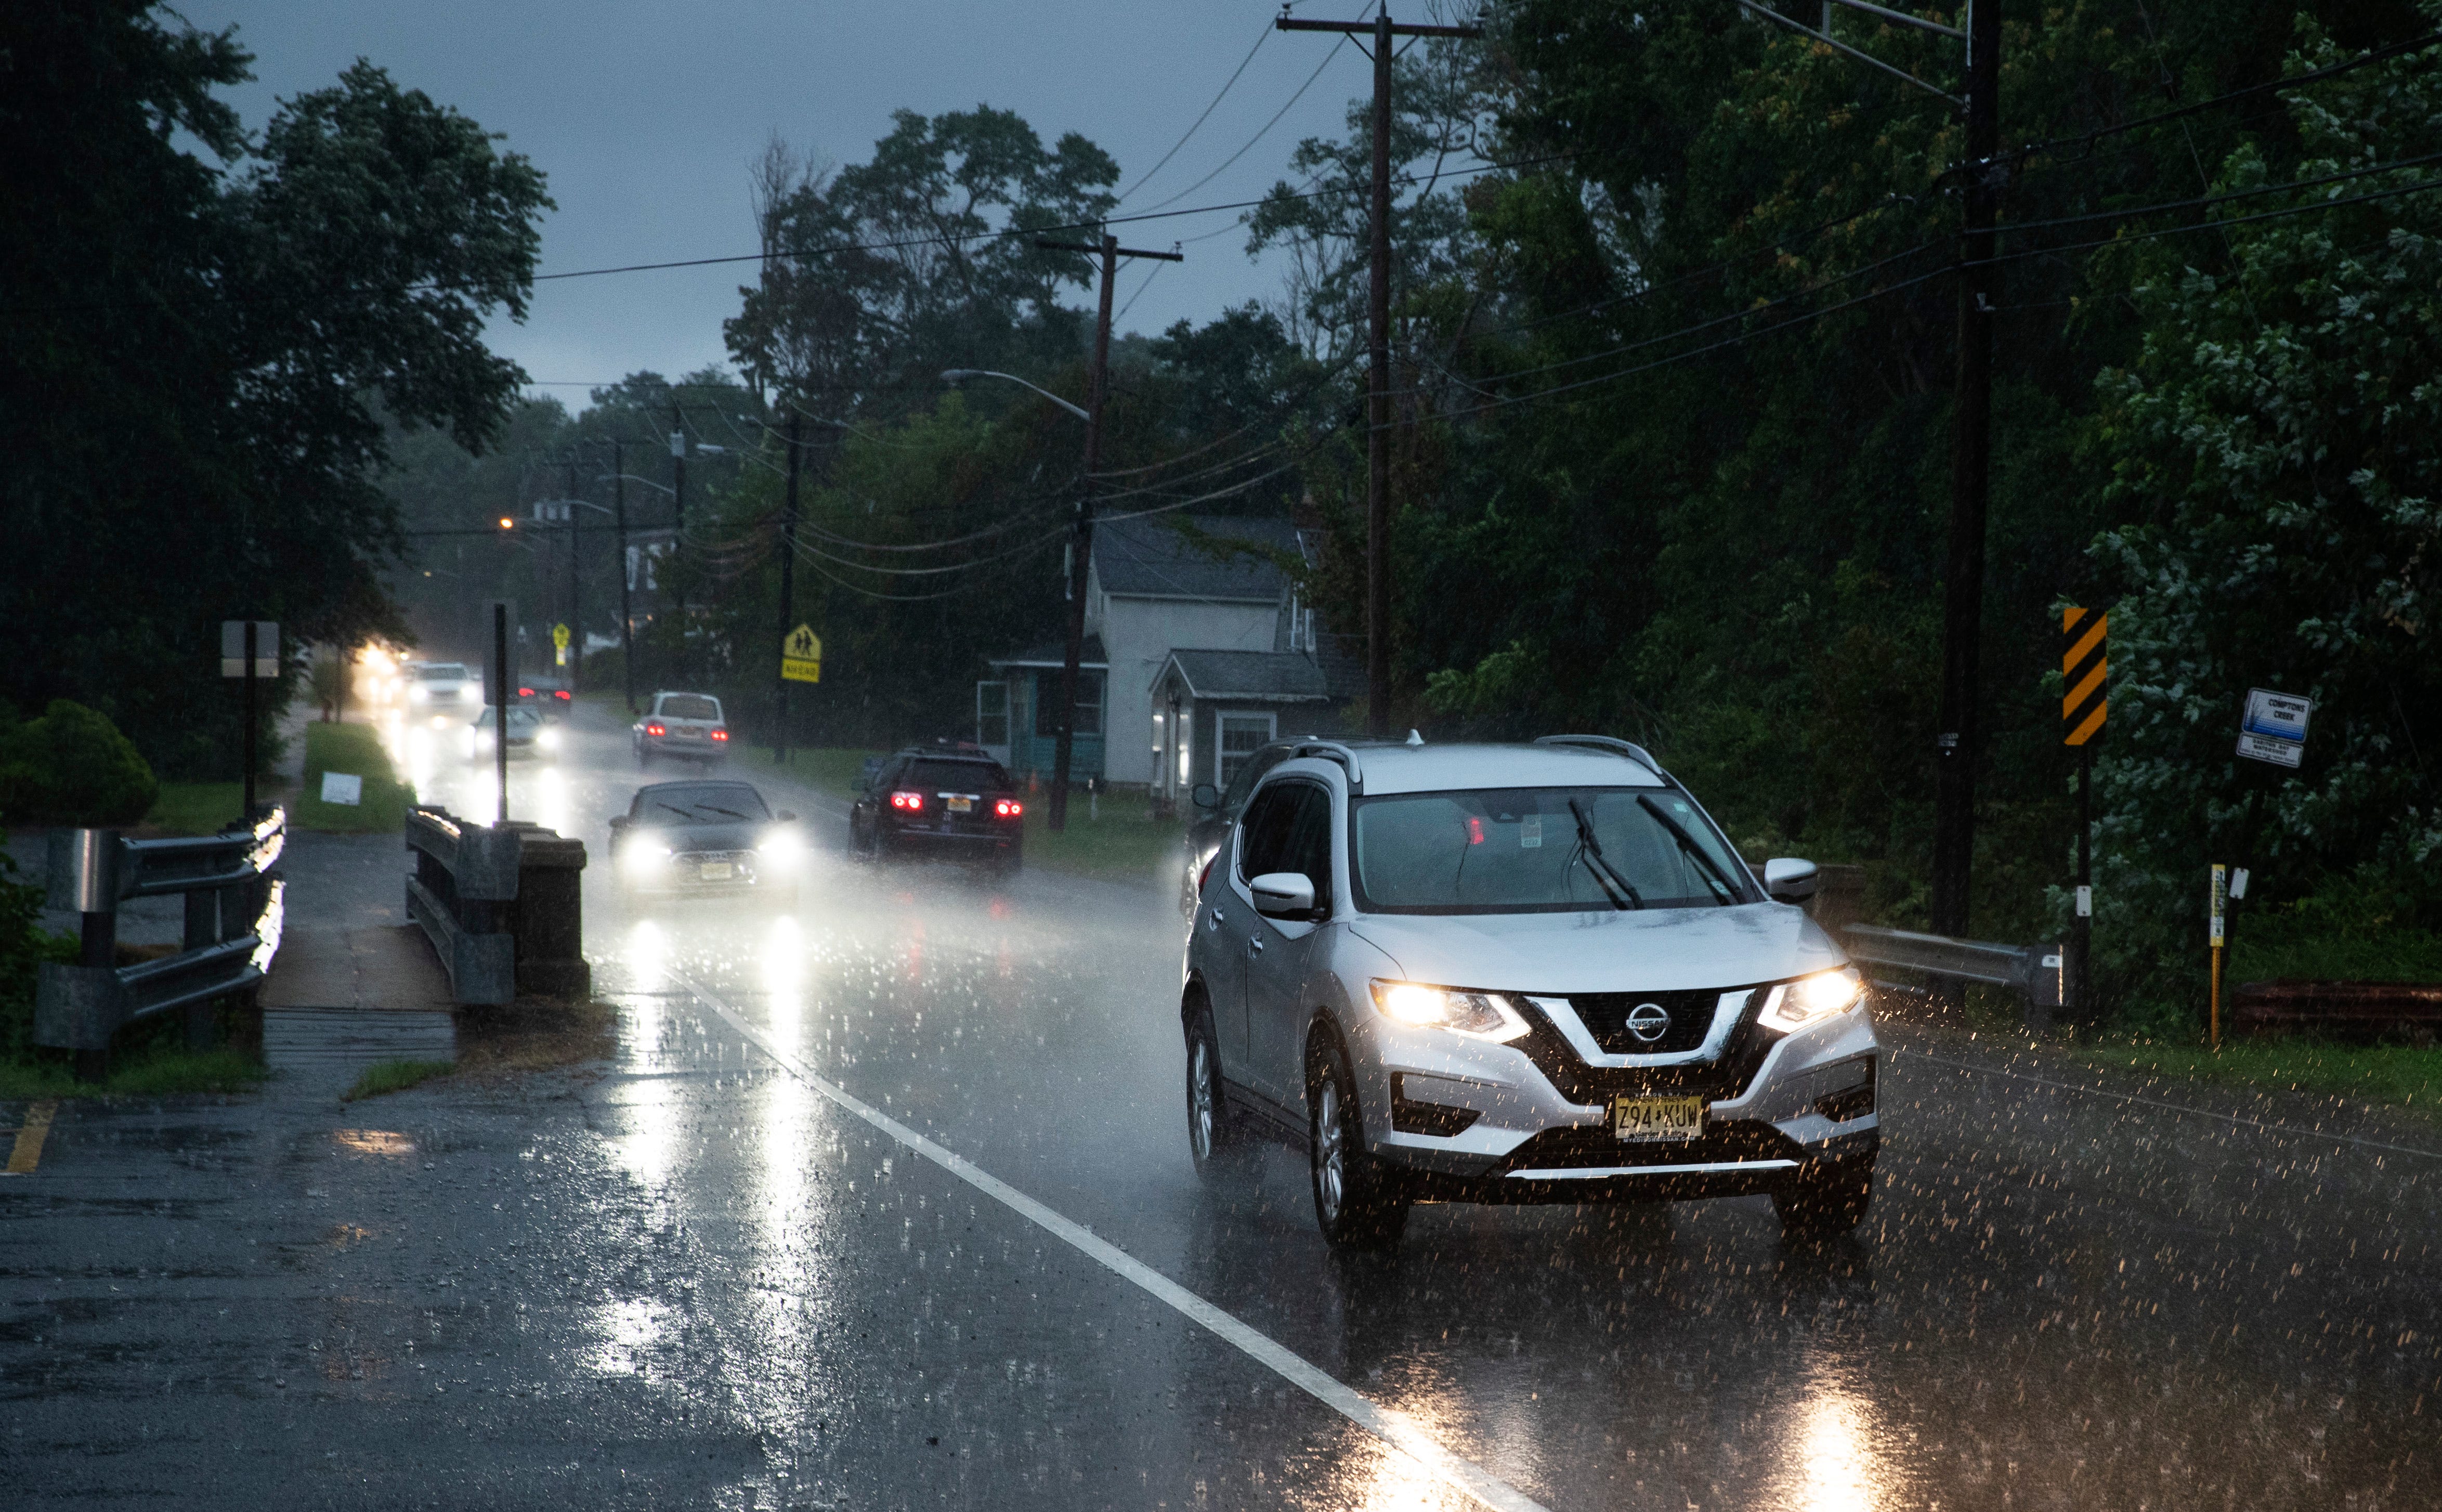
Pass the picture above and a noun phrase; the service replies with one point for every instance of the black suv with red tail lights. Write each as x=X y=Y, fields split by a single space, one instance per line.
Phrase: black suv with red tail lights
x=949 y=798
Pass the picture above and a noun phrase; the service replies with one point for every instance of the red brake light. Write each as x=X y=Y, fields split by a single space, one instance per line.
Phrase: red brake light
x=1006 y=808
x=525 y=693
x=909 y=801
x=1474 y=831
x=561 y=695
x=721 y=735
x=656 y=728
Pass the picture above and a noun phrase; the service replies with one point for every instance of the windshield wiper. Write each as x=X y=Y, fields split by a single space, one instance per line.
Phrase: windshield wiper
x=724 y=812
x=1591 y=850
x=1722 y=885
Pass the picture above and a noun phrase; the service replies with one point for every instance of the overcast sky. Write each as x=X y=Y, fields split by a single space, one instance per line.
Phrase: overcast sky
x=645 y=117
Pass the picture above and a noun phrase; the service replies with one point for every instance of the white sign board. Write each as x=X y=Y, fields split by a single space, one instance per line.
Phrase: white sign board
x=2274 y=727
x=340 y=787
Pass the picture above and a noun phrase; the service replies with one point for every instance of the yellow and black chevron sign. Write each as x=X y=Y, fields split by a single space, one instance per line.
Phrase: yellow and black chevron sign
x=2085 y=648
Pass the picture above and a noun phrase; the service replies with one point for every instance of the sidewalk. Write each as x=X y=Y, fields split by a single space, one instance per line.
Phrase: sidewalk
x=354 y=982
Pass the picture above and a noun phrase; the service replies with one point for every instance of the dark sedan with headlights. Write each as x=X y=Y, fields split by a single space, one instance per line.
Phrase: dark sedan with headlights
x=707 y=839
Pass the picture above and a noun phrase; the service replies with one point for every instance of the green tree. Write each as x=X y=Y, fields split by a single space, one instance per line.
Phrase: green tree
x=2276 y=446
x=199 y=353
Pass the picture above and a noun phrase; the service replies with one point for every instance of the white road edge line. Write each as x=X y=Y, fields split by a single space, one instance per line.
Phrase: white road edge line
x=2175 y=1107
x=1392 y=1428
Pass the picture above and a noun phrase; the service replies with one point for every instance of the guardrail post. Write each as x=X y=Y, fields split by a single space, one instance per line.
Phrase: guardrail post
x=550 y=917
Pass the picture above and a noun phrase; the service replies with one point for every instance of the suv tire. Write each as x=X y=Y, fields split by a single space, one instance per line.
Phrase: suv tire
x=1827 y=1199
x=1212 y=1136
x=1357 y=1201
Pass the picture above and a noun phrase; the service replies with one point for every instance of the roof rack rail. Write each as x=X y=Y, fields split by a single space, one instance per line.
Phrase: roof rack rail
x=1335 y=750
x=1612 y=743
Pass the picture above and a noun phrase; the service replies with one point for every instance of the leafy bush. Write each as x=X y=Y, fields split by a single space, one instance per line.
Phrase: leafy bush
x=72 y=766
x=24 y=945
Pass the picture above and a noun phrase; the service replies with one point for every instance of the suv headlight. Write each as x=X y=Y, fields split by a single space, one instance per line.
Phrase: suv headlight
x=782 y=850
x=1477 y=1015
x=1812 y=999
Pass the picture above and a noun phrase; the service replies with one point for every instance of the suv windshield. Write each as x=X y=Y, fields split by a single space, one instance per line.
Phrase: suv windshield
x=701 y=801
x=688 y=706
x=955 y=777
x=442 y=672
x=1522 y=850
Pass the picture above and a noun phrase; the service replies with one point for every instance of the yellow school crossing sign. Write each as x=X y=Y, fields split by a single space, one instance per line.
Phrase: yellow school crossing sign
x=801 y=655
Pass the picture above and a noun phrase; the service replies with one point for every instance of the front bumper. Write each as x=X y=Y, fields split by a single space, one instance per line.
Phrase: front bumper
x=685 y=875
x=1537 y=1127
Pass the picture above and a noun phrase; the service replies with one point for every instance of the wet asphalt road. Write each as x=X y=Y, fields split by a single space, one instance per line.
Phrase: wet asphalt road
x=732 y=1270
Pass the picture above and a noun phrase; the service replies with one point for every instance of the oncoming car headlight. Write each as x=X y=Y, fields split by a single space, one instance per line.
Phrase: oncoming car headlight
x=781 y=848
x=643 y=855
x=548 y=739
x=1477 y=1015
x=1812 y=999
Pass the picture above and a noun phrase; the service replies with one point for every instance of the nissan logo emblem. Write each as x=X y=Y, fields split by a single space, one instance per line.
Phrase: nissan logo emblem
x=1648 y=1020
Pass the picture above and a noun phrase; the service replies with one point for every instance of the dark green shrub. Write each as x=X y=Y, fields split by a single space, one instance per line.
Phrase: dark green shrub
x=72 y=766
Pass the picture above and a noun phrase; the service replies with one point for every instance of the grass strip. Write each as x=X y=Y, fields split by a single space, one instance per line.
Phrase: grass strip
x=356 y=751
x=199 y=807
x=393 y=1076
x=2401 y=1076
x=159 y=1073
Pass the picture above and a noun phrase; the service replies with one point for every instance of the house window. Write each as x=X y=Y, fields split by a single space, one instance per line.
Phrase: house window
x=1240 y=737
x=1046 y=703
x=992 y=713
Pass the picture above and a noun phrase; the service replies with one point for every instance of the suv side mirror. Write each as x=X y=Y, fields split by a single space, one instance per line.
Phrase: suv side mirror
x=1205 y=795
x=1789 y=879
x=1283 y=895
x=787 y=816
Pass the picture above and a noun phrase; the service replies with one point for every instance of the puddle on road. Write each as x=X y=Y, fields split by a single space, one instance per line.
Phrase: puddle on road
x=328 y=1039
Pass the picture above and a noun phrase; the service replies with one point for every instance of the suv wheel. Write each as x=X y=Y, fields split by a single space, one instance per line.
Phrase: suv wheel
x=1827 y=1199
x=1357 y=1200
x=1210 y=1137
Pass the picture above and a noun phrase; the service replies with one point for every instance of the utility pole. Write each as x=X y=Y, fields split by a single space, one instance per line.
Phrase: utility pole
x=627 y=615
x=1081 y=538
x=1377 y=356
x=677 y=533
x=1971 y=465
x=575 y=603
x=788 y=594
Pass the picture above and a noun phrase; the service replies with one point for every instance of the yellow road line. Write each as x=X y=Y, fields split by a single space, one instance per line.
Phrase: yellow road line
x=27 y=1152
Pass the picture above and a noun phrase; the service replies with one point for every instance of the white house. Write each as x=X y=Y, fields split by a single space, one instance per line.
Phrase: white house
x=1156 y=590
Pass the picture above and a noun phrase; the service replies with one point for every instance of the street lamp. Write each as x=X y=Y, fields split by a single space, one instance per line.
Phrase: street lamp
x=955 y=375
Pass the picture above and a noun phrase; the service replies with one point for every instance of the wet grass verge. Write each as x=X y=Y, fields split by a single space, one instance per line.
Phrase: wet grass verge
x=393 y=1076
x=2400 y=1076
x=157 y=1073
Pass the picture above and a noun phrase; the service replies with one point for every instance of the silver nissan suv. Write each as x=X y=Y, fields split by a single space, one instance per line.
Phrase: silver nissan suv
x=1519 y=974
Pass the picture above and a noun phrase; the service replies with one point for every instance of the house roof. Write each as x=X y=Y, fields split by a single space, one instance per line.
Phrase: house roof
x=1150 y=558
x=1055 y=653
x=1278 y=677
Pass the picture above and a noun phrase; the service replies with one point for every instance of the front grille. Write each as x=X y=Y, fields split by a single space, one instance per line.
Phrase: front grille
x=1608 y=1017
x=1723 y=1078
x=690 y=863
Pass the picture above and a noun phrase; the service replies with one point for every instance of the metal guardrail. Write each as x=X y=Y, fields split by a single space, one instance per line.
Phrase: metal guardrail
x=2035 y=972
x=500 y=905
x=234 y=913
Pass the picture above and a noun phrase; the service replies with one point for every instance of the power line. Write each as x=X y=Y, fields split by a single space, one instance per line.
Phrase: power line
x=1259 y=38
x=1260 y=134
